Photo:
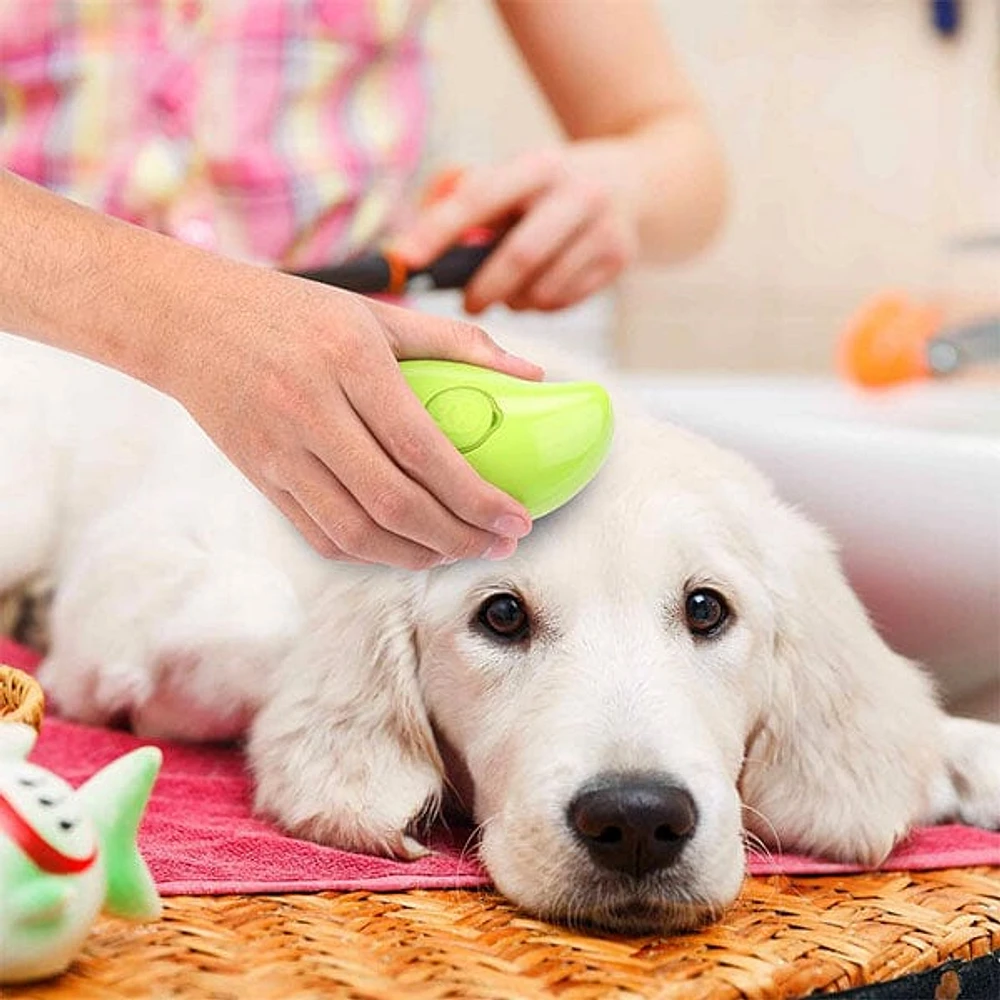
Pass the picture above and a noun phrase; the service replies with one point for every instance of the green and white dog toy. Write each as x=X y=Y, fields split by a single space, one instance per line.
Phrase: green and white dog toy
x=67 y=854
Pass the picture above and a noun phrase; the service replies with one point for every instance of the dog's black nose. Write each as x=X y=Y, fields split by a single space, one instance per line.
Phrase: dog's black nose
x=635 y=823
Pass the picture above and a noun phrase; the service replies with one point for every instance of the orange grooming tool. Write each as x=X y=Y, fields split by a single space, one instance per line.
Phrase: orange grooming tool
x=886 y=340
x=894 y=338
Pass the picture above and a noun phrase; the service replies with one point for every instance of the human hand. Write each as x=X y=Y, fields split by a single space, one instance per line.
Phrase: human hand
x=299 y=385
x=569 y=222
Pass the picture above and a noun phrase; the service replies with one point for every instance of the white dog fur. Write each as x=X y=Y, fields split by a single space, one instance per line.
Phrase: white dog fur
x=185 y=604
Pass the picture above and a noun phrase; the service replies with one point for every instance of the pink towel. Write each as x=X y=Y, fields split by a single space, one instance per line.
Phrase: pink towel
x=199 y=835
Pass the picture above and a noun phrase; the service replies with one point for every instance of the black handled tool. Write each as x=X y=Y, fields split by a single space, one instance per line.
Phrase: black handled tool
x=384 y=273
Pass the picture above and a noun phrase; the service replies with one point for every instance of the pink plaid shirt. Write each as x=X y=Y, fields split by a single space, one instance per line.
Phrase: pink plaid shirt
x=282 y=131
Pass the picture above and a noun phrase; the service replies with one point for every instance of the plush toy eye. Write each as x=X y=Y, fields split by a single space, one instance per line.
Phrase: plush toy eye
x=505 y=616
x=706 y=611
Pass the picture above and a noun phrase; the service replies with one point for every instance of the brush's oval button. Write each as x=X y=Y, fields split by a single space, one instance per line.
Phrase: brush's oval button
x=467 y=415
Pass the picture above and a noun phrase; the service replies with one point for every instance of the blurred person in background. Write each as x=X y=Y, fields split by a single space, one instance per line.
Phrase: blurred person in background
x=162 y=160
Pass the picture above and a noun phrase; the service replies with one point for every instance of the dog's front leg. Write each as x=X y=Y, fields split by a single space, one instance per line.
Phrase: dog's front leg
x=343 y=752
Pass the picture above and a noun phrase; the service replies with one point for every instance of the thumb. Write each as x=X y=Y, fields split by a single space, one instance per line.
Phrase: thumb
x=433 y=231
x=416 y=335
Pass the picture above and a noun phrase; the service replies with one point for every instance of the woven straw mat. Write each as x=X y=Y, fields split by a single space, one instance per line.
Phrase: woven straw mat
x=21 y=698
x=784 y=938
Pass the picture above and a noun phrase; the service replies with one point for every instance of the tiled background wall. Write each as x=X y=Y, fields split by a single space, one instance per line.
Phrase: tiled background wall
x=861 y=145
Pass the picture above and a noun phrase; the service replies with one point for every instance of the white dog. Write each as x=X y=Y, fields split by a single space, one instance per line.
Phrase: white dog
x=672 y=659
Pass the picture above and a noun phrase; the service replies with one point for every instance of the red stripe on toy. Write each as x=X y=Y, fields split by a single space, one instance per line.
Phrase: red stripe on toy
x=40 y=851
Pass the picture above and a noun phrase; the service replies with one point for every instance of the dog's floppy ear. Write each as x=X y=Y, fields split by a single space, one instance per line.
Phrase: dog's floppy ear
x=343 y=752
x=847 y=739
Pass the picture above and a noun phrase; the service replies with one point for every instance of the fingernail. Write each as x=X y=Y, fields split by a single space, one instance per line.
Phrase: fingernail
x=447 y=560
x=533 y=371
x=511 y=526
x=500 y=549
x=529 y=367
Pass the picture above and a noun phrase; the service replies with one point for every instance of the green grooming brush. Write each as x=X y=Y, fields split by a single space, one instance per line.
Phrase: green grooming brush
x=539 y=442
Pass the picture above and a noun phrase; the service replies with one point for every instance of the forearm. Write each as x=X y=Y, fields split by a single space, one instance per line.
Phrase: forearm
x=87 y=283
x=629 y=110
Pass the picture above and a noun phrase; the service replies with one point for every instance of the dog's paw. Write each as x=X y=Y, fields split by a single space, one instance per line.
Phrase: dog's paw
x=368 y=800
x=97 y=691
x=967 y=789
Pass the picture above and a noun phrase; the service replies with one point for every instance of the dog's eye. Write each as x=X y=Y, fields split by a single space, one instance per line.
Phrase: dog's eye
x=504 y=616
x=706 y=611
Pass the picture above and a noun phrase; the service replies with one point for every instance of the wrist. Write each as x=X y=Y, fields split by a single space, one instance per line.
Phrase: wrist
x=118 y=311
x=618 y=165
x=681 y=186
